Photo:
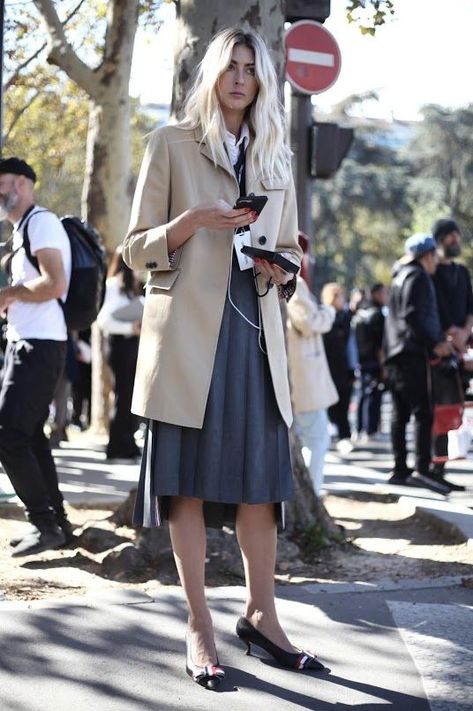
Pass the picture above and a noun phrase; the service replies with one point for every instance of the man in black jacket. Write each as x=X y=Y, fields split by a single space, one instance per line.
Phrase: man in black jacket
x=455 y=300
x=412 y=335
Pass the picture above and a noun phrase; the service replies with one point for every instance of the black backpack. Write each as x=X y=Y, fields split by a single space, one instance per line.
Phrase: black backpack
x=88 y=271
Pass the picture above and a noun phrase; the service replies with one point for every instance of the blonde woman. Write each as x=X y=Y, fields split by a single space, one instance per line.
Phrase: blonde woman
x=313 y=390
x=212 y=373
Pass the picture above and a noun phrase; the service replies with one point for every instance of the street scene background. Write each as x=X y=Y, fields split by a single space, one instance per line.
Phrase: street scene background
x=376 y=577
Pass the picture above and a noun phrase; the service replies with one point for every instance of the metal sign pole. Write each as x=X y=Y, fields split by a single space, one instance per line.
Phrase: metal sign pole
x=2 y=18
x=301 y=121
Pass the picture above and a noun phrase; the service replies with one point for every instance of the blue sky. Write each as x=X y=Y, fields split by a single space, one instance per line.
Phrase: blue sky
x=424 y=55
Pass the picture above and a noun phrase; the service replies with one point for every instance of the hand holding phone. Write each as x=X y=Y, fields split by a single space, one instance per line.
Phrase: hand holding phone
x=272 y=258
x=251 y=201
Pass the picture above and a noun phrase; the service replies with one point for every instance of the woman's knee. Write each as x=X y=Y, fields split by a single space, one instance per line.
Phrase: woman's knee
x=184 y=506
x=257 y=514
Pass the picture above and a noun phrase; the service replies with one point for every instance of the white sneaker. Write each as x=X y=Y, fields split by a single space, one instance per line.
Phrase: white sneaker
x=344 y=447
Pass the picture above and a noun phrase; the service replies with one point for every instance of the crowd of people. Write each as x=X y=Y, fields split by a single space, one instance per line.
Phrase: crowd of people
x=208 y=346
x=409 y=339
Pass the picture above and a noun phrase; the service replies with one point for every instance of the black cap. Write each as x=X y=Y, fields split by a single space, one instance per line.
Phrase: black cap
x=17 y=166
x=443 y=227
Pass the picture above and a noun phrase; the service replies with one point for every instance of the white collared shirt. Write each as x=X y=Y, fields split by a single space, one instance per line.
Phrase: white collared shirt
x=233 y=145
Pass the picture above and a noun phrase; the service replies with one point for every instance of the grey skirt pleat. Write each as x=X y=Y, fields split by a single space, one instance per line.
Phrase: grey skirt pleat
x=241 y=454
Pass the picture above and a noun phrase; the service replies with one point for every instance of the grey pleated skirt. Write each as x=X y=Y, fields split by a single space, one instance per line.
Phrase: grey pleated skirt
x=241 y=454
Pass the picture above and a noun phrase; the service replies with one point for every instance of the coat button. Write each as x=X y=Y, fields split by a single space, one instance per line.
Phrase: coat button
x=151 y=265
x=262 y=239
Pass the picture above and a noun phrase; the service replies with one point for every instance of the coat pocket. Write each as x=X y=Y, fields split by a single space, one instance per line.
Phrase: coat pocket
x=274 y=183
x=162 y=281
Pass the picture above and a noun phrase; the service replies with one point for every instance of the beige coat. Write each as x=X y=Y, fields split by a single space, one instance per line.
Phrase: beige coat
x=312 y=385
x=184 y=303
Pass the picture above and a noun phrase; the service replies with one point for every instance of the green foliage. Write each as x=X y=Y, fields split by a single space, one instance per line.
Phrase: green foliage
x=384 y=193
x=362 y=215
x=441 y=154
x=313 y=540
x=45 y=114
x=51 y=135
x=369 y=14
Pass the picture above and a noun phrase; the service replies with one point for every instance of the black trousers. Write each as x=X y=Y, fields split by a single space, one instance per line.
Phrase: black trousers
x=338 y=413
x=122 y=359
x=82 y=393
x=408 y=380
x=31 y=371
x=369 y=405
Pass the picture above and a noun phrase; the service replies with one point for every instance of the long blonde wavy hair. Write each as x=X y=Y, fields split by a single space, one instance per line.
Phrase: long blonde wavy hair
x=270 y=154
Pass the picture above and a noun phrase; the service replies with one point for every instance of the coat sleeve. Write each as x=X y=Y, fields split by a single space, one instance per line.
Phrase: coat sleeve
x=288 y=237
x=145 y=246
x=421 y=311
x=305 y=315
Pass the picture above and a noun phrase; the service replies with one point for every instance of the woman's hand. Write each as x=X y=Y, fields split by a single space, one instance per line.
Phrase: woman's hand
x=271 y=271
x=220 y=215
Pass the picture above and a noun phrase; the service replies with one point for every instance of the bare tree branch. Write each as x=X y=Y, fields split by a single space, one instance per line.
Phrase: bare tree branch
x=119 y=37
x=61 y=52
x=18 y=114
x=19 y=69
x=12 y=80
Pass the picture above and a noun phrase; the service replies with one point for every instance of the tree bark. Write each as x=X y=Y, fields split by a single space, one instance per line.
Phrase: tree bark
x=106 y=197
x=106 y=194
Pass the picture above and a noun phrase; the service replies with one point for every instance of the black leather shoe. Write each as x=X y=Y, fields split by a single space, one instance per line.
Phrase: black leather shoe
x=439 y=477
x=425 y=481
x=400 y=479
x=65 y=525
x=209 y=677
x=452 y=486
x=49 y=538
x=291 y=660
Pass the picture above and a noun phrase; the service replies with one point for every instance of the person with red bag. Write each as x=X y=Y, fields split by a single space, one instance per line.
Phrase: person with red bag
x=455 y=301
x=413 y=335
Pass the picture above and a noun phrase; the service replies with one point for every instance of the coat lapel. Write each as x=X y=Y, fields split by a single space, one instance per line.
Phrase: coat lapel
x=205 y=150
x=251 y=175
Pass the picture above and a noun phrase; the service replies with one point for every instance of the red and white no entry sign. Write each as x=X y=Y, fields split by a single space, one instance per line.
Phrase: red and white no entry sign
x=313 y=57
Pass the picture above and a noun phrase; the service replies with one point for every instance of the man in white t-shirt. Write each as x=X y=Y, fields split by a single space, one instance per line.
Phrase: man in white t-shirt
x=35 y=355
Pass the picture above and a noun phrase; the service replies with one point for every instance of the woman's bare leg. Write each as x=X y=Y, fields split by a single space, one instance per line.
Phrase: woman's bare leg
x=256 y=533
x=188 y=538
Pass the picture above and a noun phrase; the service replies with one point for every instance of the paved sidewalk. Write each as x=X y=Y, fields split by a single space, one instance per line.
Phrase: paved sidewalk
x=86 y=476
x=407 y=650
x=404 y=645
x=367 y=469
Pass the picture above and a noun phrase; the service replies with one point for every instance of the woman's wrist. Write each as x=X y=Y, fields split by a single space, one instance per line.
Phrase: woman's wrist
x=193 y=218
x=181 y=229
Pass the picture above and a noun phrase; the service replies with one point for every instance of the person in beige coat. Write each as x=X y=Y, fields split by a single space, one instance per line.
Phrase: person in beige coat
x=313 y=390
x=212 y=371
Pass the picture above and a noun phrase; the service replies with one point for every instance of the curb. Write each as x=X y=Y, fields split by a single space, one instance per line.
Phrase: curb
x=456 y=518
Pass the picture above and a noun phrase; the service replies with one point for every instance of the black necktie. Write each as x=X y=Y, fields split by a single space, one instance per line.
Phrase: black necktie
x=239 y=167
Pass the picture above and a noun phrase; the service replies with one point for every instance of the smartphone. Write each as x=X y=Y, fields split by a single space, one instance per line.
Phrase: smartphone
x=255 y=202
x=271 y=257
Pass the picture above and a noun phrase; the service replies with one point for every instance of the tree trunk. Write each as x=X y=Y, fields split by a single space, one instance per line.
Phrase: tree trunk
x=197 y=22
x=106 y=195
